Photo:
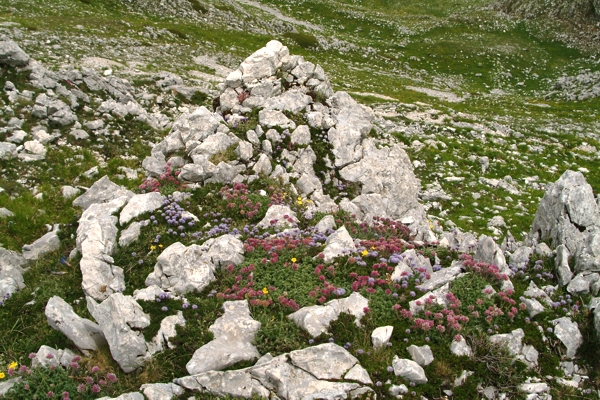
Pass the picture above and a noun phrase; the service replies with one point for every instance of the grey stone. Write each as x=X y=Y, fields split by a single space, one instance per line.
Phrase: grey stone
x=325 y=224
x=121 y=319
x=263 y=165
x=96 y=241
x=301 y=135
x=6 y=213
x=234 y=332
x=568 y=333
x=84 y=333
x=529 y=355
x=167 y=330
x=130 y=234
x=276 y=217
x=338 y=243
x=512 y=341
x=182 y=269
x=536 y=388
x=32 y=151
x=237 y=383
x=381 y=336
x=316 y=319
x=161 y=391
x=6 y=385
x=11 y=273
x=421 y=355
x=327 y=361
x=17 y=136
x=396 y=390
x=223 y=251
x=463 y=377
x=125 y=396
x=274 y=118
x=409 y=370
x=358 y=374
x=102 y=191
x=441 y=277
x=534 y=307
x=581 y=283
x=461 y=348
x=12 y=55
x=292 y=100
x=140 y=204
x=69 y=192
x=201 y=170
x=244 y=150
x=520 y=257
x=46 y=357
x=8 y=151
x=568 y=214
x=42 y=246
x=489 y=252
x=563 y=271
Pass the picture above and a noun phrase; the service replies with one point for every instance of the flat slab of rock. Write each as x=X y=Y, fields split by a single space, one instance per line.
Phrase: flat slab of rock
x=86 y=334
x=234 y=332
x=140 y=204
x=44 y=245
x=102 y=191
x=568 y=333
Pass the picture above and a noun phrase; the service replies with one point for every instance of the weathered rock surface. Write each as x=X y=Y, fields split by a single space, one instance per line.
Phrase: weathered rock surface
x=234 y=332
x=409 y=370
x=84 y=333
x=42 y=246
x=121 y=319
x=569 y=215
x=12 y=55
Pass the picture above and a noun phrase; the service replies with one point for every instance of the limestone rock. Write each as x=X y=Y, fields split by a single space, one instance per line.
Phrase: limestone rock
x=181 y=269
x=84 y=333
x=381 y=336
x=278 y=216
x=461 y=347
x=421 y=355
x=338 y=243
x=121 y=319
x=102 y=191
x=568 y=333
x=161 y=391
x=327 y=361
x=140 y=204
x=234 y=332
x=12 y=55
x=409 y=370
x=42 y=246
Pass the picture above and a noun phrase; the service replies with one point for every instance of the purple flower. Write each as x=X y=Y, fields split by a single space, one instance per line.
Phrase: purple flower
x=390 y=369
x=194 y=307
x=95 y=369
x=50 y=394
x=165 y=308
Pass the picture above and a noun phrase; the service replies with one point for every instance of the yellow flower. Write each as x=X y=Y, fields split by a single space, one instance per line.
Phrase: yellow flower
x=152 y=247
x=265 y=291
x=294 y=259
x=160 y=245
x=13 y=365
x=364 y=253
x=2 y=375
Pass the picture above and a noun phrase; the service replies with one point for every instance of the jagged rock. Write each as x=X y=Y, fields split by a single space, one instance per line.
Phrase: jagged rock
x=12 y=55
x=96 y=241
x=460 y=347
x=182 y=269
x=581 y=282
x=32 y=151
x=167 y=331
x=358 y=374
x=273 y=118
x=421 y=355
x=381 y=336
x=130 y=234
x=263 y=165
x=139 y=204
x=47 y=357
x=316 y=319
x=534 y=388
x=8 y=151
x=102 y=191
x=569 y=214
x=520 y=257
x=224 y=250
x=568 y=333
x=529 y=355
x=512 y=341
x=327 y=361
x=84 y=333
x=338 y=243
x=563 y=271
x=44 y=245
x=353 y=123
x=121 y=319
x=409 y=370
x=6 y=213
x=161 y=391
x=441 y=277
x=534 y=307
x=234 y=332
x=293 y=101
x=438 y=297
x=325 y=224
x=278 y=216
x=11 y=273
x=396 y=390
x=238 y=383
x=489 y=252
x=301 y=135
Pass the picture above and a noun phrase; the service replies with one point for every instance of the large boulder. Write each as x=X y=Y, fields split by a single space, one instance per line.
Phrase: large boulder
x=569 y=215
x=12 y=55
